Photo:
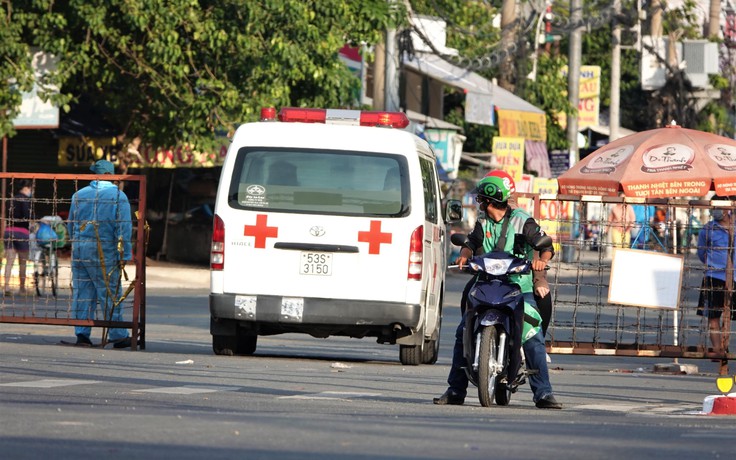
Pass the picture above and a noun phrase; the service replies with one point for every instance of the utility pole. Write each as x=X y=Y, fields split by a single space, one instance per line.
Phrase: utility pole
x=391 y=84
x=656 y=8
x=714 y=20
x=573 y=77
x=379 y=73
x=614 y=114
x=508 y=32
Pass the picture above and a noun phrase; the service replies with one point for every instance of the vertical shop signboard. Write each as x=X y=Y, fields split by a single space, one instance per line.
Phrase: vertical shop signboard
x=555 y=217
x=509 y=153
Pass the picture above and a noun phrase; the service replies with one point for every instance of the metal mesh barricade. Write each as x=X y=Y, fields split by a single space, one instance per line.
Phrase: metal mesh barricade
x=62 y=270
x=588 y=315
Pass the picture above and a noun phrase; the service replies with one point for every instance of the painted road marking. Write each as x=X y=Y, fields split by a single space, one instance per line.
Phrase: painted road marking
x=48 y=383
x=346 y=395
x=189 y=389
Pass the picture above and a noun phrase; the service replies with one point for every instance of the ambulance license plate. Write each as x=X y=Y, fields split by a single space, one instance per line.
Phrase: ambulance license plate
x=316 y=263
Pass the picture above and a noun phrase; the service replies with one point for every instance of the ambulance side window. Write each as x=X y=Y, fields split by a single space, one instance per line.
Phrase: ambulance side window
x=429 y=182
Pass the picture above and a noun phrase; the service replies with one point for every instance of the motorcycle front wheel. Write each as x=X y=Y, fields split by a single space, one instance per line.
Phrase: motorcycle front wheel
x=488 y=361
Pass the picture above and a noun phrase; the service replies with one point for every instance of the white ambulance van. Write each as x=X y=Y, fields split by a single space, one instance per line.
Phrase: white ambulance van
x=329 y=223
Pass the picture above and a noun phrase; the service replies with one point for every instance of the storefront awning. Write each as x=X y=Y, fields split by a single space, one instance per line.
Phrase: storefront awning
x=606 y=130
x=429 y=122
x=439 y=69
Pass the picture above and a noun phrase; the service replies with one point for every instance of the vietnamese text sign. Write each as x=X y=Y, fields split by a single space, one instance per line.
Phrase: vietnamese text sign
x=74 y=151
x=529 y=125
x=666 y=188
x=588 y=98
x=645 y=278
x=559 y=162
x=509 y=152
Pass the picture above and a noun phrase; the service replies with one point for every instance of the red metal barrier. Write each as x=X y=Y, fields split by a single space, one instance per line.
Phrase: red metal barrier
x=52 y=197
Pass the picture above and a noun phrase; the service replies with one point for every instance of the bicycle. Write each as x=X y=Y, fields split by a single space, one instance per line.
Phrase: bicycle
x=49 y=236
x=46 y=269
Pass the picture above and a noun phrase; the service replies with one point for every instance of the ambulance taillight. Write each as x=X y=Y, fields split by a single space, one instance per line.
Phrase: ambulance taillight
x=416 y=255
x=217 y=252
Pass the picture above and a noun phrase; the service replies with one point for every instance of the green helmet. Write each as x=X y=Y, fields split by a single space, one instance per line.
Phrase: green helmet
x=494 y=188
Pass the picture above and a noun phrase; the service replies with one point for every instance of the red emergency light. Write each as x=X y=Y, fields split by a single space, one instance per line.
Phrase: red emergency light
x=301 y=115
x=268 y=114
x=348 y=117
x=392 y=119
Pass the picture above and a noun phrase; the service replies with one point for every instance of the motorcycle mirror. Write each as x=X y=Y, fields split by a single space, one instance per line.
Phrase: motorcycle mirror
x=542 y=242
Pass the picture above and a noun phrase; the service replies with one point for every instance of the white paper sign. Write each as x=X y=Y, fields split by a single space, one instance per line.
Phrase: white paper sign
x=645 y=279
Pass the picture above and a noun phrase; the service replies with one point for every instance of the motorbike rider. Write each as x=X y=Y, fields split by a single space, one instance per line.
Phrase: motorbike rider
x=542 y=295
x=493 y=192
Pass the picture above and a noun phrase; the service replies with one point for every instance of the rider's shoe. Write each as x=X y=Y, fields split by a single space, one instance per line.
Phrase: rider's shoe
x=548 y=402
x=449 y=398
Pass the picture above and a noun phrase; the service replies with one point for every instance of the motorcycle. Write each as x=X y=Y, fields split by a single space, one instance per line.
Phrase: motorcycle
x=497 y=322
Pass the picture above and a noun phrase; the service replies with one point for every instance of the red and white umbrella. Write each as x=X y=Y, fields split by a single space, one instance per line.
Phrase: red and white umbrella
x=659 y=163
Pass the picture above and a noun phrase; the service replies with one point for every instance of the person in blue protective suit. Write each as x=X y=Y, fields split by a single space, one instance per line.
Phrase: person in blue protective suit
x=516 y=230
x=100 y=228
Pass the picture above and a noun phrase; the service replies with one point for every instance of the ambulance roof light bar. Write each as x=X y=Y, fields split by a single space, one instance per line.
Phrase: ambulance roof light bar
x=344 y=117
x=268 y=114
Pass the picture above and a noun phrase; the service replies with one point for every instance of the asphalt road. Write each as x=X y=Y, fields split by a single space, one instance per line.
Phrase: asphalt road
x=335 y=398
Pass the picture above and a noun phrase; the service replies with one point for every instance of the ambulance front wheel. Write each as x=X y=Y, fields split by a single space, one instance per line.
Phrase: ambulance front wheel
x=431 y=351
x=411 y=355
x=414 y=355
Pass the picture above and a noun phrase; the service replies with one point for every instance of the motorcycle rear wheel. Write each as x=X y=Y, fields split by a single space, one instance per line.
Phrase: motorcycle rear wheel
x=488 y=382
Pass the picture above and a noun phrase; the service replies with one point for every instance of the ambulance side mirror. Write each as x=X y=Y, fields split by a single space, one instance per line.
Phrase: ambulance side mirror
x=453 y=211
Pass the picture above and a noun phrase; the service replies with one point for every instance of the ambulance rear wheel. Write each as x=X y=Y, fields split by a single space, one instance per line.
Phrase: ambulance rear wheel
x=224 y=344
x=238 y=345
x=411 y=355
x=247 y=342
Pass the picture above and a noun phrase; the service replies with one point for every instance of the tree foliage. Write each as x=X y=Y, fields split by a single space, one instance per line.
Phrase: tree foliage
x=174 y=71
x=469 y=24
x=548 y=91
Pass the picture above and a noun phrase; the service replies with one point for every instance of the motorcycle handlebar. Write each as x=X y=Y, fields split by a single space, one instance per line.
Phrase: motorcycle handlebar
x=466 y=267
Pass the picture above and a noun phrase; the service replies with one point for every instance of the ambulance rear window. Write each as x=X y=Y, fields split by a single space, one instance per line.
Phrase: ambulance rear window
x=320 y=182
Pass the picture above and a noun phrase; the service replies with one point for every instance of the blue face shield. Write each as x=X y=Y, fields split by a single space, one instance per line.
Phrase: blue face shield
x=717 y=214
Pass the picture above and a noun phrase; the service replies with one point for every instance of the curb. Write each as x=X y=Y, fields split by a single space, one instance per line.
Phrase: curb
x=720 y=405
x=675 y=368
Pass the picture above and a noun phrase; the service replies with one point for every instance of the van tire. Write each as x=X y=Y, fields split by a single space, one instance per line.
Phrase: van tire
x=242 y=344
x=431 y=351
x=411 y=355
x=247 y=342
x=432 y=346
x=224 y=344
